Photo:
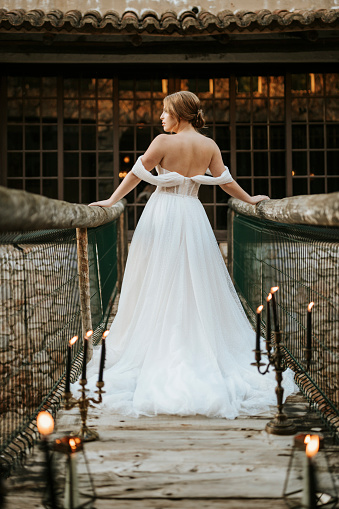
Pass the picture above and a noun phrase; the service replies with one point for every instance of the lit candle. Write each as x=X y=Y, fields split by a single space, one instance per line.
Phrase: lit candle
x=84 y=362
x=257 y=343
x=274 y=306
x=71 y=496
x=69 y=363
x=268 y=321
x=45 y=425
x=309 y=498
x=309 y=325
x=103 y=355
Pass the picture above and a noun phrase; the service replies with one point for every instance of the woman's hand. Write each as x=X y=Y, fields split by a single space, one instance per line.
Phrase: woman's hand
x=102 y=203
x=258 y=198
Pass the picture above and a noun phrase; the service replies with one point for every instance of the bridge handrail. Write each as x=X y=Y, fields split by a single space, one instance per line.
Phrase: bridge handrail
x=23 y=211
x=61 y=267
x=314 y=209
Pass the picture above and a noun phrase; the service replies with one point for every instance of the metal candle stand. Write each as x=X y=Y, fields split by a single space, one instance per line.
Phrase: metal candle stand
x=86 y=434
x=280 y=424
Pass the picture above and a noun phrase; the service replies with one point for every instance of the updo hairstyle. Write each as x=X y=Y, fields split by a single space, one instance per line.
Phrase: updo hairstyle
x=185 y=105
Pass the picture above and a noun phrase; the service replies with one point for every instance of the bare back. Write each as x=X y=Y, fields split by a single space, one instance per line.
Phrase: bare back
x=189 y=154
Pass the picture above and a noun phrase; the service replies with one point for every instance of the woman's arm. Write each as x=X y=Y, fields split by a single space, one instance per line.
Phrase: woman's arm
x=150 y=159
x=129 y=183
x=233 y=189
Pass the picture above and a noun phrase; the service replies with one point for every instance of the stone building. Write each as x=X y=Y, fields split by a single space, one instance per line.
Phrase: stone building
x=82 y=84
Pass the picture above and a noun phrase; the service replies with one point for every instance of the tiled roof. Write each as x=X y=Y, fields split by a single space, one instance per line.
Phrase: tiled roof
x=188 y=22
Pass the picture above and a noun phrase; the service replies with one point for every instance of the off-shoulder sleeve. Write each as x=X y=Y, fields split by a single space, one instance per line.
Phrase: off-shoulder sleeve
x=166 y=180
x=225 y=178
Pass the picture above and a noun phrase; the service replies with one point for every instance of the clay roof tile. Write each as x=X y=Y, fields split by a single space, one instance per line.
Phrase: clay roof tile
x=186 y=22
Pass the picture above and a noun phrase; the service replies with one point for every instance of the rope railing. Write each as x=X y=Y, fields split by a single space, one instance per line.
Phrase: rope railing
x=61 y=266
x=302 y=259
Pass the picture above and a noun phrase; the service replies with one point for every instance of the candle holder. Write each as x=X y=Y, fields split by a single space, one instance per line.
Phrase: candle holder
x=74 y=483
x=280 y=424
x=84 y=402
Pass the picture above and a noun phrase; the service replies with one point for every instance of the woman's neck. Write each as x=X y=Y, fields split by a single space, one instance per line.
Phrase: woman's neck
x=184 y=127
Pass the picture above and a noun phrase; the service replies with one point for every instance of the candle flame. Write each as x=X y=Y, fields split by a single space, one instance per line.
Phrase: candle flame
x=312 y=445
x=72 y=444
x=88 y=334
x=310 y=306
x=269 y=297
x=259 y=309
x=274 y=289
x=45 y=423
x=73 y=340
x=105 y=334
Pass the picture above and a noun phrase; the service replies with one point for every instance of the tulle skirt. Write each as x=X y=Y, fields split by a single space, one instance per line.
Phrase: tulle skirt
x=180 y=342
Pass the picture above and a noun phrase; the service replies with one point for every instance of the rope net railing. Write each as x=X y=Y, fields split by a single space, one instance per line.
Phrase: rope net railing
x=40 y=311
x=303 y=262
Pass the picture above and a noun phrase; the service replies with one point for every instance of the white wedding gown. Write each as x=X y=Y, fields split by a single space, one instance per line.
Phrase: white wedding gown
x=180 y=342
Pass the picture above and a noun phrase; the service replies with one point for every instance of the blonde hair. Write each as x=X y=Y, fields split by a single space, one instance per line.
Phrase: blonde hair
x=185 y=105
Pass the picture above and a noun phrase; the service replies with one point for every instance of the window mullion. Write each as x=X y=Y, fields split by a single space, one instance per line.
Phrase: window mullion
x=60 y=127
x=3 y=130
x=233 y=154
x=288 y=128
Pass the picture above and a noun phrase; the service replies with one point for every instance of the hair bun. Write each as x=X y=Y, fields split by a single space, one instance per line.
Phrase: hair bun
x=198 y=121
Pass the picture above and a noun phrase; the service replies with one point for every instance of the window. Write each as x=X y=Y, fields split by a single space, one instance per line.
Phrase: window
x=75 y=138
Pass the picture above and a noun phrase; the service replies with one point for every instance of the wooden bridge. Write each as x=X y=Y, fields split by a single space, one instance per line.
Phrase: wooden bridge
x=167 y=462
x=164 y=461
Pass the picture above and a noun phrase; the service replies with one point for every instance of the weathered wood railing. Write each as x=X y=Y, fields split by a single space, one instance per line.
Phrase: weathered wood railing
x=294 y=244
x=61 y=266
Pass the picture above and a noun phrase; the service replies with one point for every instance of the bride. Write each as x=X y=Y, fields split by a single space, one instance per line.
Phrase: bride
x=180 y=342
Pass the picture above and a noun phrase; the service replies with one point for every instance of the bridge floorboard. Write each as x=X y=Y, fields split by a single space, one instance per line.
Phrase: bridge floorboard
x=176 y=462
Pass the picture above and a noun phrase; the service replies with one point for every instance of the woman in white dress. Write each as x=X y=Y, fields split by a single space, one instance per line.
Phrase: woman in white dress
x=180 y=342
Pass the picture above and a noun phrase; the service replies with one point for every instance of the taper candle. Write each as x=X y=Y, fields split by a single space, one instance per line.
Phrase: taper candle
x=71 y=495
x=84 y=362
x=309 y=497
x=103 y=355
x=69 y=363
x=45 y=425
x=268 y=321
x=309 y=325
x=274 y=306
x=257 y=343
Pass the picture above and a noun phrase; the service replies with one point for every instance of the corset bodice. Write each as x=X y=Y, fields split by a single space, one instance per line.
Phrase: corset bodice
x=186 y=187
x=174 y=183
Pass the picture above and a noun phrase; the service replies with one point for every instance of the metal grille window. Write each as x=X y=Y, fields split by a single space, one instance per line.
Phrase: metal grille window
x=315 y=132
x=75 y=138
x=32 y=158
x=87 y=139
x=260 y=134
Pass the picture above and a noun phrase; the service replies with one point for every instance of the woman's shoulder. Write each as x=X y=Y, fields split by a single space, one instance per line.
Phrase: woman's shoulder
x=161 y=138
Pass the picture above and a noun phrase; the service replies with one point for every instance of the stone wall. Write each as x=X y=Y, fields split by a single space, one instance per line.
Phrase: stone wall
x=39 y=312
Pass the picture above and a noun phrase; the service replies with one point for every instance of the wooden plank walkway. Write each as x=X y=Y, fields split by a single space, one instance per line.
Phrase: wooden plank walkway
x=177 y=462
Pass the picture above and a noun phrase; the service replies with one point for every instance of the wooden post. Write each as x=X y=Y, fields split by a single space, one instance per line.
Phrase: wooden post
x=85 y=296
